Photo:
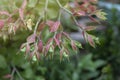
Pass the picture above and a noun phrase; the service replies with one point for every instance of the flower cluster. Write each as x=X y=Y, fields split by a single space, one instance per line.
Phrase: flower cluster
x=48 y=37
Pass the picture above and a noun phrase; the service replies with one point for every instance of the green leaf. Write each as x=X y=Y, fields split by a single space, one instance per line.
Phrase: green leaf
x=3 y=63
x=78 y=44
x=32 y=3
x=28 y=73
x=65 y=54
x=101 y=15
x=23 y=49
x=99 y=63
x=34 y=58
x=51 y=49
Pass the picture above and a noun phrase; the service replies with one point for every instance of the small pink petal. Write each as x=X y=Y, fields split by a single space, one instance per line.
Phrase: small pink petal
x=73 y=46
x=55 y=26
x=24 y=4
x=7 y=76
x=40 y=46
x=1 y=24
x=27 y=48
x=58 y=36
x=31 y=38
x=4 y=13
x=41 y=26
x=21 y=13
x=90 y=40
x=47 y=49
x=57 y=41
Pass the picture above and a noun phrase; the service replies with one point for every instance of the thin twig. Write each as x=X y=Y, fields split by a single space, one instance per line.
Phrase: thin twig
x=63 y=7
x=59 y=15
x=36 y=26
x=70 y=14
x=18 y=74
x=13 y=72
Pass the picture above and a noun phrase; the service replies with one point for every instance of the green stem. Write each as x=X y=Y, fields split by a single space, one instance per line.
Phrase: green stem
x=76 y=22
x=18 y=74
x=37 y=24
x=63 y=7
x=12 y=74
x=59 y=16
x=45 y=10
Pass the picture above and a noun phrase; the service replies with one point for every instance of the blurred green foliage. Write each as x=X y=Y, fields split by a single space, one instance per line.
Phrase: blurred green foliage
x=109 y=50
x=80 y=67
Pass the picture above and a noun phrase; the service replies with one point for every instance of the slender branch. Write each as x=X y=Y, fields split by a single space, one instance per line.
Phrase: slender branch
x=45 y=10
x=40 y=17
x=59 y=16
x=70 y=14
x=46 y=5
x=63 y=7
x=18 y=74
x=78 y=24
x=13 y=72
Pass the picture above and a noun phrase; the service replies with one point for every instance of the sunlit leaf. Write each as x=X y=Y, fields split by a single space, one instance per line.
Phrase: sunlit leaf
x=100 y=14
x=29 y=24
x=78 y=44
x=89 y=28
